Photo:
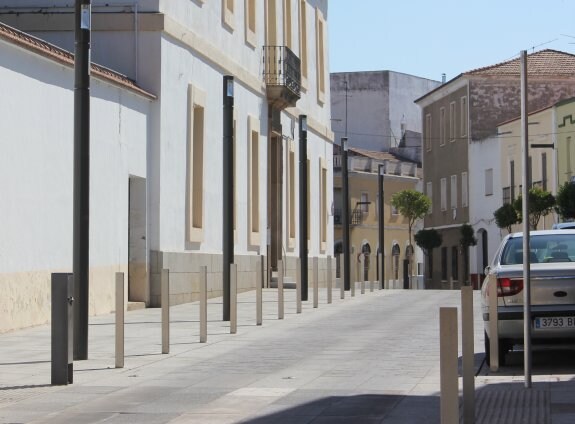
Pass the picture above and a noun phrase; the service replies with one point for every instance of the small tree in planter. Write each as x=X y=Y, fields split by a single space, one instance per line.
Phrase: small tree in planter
x=466 y=241
x=565 y=200
x=506 y=216
x=541 y=202
x=428 y=240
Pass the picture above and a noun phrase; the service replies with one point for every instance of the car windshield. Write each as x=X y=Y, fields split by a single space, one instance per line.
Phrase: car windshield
x=543 y=248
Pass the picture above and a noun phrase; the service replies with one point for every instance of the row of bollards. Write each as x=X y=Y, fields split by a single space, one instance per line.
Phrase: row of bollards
x=62 y=311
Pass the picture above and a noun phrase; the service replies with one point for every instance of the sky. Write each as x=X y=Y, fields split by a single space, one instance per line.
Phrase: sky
x=426 y=38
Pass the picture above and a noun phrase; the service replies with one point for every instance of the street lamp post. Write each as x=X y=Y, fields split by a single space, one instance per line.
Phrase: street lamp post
x=228 y=191
x=303 y=206
x=381 y=223
x=345 y=213
x=81 y=200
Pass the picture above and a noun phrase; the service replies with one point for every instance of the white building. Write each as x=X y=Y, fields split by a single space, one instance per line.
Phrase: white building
x=36 y=167
x=180 y=51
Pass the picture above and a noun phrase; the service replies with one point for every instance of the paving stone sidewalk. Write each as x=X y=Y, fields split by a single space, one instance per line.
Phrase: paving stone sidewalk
x=373 y=358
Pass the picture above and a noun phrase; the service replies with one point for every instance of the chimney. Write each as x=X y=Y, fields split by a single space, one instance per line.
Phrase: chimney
x=443 y=78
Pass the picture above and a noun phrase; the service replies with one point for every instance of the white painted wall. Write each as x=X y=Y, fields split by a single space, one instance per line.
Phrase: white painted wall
x=37 y=169
x=484 y=155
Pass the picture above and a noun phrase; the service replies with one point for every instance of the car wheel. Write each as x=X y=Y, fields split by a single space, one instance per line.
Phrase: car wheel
x=503 y=349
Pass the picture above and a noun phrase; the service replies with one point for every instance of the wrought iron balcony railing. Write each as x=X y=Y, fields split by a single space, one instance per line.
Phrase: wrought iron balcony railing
x=282 y=75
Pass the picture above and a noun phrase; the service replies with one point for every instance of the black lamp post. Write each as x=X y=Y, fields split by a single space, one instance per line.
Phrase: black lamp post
x=345 y=213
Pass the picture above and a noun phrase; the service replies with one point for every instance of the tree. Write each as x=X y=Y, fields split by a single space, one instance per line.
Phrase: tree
x=506 y=216
x=467 y=240
x=428 y=240
x=565 y=201
x=541 y=202
x=412 y=204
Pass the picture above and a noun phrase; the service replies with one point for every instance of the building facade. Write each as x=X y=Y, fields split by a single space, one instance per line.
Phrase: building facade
x=466 y=110
x=276 y=50
x=363 y=186
x=375 y=109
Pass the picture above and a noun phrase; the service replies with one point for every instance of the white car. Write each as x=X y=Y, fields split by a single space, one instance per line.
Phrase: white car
x=552 y=257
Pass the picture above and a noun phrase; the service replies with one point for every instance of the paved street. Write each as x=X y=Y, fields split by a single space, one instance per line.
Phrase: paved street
x=369 y=359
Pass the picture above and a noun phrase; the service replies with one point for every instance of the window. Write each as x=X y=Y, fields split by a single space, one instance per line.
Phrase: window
x=287 y=24
x=429 y=191
x=428 y=132
x=303 y=40
x=512 y=179
x=442 y=126
x=320 y=52
x=454 y=264
x=443 y=194
x=235 y=172
x=452 y=121
x=271 y=25
x=292 y=193
x=489 y=182
x=444 y=263
x=250 y=22
x=254 y=184
x=308 y=201
x=463 y=115
x=453 y=192
x=544 y=171
x=228 y=13
x=195 y=165
x=569 y=170
x=464 y=196
x=364 y=202
x=323 y=220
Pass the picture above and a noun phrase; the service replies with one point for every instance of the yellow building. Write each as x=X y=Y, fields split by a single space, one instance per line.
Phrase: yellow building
x=364 y=231
x=541 y=161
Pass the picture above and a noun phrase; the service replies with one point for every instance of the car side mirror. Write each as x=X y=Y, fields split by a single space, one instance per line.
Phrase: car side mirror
x=487 y=269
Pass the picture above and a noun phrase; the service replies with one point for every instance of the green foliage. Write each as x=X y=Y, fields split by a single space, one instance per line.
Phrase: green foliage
x=566 y=201
x=467 y=238
x=506 y=216
x=428 y=240
x=541 y=202
x=412 y=204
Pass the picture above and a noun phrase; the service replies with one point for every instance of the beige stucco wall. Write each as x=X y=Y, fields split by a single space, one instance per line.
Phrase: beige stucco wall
x=565 y=137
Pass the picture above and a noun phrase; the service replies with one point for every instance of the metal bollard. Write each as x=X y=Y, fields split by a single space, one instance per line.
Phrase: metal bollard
x=259 y=284
x=362 y=285
x=165 y=290
x=315 y=282
x=298 y=285
x=329 y=281
x=352 y=273
x=468 y=352
x=119 y=320
x=62 y=369
x=203 y=304
x=281 y=289
x=233 y=298
x=449 y=403
x=341 y=288
x=371 y=286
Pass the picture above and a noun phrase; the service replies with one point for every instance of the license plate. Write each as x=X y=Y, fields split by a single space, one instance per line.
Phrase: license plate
x=554 y=322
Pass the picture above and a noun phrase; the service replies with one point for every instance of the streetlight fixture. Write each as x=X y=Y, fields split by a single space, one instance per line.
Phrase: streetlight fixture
x=345 y=213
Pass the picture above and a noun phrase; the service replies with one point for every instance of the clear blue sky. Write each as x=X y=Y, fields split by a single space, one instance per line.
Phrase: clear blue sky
x=427 y=38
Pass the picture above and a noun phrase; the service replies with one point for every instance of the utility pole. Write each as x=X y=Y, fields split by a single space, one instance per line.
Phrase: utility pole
x=228 y=191
x=303 y=206
x=381 y=222
x=526 y=181
x=81 y=200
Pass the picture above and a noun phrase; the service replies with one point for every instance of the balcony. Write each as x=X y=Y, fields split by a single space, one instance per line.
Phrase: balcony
x=282 y=75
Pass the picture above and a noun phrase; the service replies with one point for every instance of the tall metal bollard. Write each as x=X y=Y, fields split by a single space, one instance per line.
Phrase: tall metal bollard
x=449 y=404
x=315 y=282
x=298 y=285
x=329 y=280
x=362 y=285
x=203 y=304
x=280 y=290
x=259 y=284
x=468 y=352
x=353 y=278
x=119 y=320
x=233 y=298
x=165 y=290
x=62 y=369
